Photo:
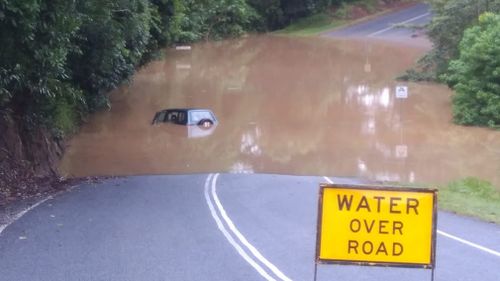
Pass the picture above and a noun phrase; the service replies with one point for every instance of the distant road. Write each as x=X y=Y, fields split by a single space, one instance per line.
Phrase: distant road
x=209 y=227
x=384 y=26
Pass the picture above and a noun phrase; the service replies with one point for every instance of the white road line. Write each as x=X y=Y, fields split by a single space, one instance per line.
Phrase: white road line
x=2 y=227
x=468 y=243
x=22 y=213
x=328 y=180
x=393 y=26
x=242 y=238
x=474 y=245
x=229 y=238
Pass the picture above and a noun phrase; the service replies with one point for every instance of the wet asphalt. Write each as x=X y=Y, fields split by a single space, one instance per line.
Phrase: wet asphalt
x=161 y=228
x=392 y=25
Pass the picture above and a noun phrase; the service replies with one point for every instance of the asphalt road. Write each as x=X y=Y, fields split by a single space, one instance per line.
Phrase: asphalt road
x=173 y=228
x=209 y=227
x=385 y=26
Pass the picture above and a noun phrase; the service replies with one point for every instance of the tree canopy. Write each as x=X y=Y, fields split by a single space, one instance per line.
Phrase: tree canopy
x=59 y=58
x=450 y=19
x=464 y=55
x=475 y=74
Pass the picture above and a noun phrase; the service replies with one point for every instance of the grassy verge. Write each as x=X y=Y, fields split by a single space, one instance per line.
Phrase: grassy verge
x=341 y=15
x=472 y=197
x=312 y=25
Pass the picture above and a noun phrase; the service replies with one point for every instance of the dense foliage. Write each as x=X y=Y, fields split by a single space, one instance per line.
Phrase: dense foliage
x=275 y=14
x=475 y=75
x=463 y=60
x=59 y=58
x=451 y=18
x=36 y=41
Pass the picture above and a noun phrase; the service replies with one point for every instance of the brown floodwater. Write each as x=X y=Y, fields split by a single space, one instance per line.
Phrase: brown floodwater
x=301 y=106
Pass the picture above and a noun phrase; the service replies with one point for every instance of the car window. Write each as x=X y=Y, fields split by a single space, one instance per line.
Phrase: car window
x=160 y=117
x=181 y=118
x=172 y=116
x=197 y=116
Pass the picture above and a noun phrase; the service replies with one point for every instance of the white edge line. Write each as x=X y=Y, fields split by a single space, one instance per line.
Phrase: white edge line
x=2 y=228
x=328 y=180
x=22 y=213
x=474 y=245
x=394 y=25
x=468 y=243
x=229 y=238
x=242 y=238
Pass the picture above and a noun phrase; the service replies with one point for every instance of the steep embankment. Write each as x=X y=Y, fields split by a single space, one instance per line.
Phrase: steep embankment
x=28 y=160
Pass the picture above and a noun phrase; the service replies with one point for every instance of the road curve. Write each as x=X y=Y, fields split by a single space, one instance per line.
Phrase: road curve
x=385 y=26
x=161 y=228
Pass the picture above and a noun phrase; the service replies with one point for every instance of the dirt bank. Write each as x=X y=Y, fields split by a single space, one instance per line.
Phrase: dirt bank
x=28 y=161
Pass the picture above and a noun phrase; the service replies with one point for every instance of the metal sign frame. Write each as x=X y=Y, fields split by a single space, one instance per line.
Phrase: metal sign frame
x=432 y=263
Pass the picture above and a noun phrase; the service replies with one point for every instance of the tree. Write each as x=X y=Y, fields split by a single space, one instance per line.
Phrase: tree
x=475 y=75
x=451 y=18
x=216 y=19
x=60 y=58
x=111 y=42
x=167 y=18
x=36 y=42
x=270 y=12
x=275 y=14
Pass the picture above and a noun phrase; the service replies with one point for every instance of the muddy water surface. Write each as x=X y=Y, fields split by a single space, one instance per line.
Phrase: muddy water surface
x=310 y=106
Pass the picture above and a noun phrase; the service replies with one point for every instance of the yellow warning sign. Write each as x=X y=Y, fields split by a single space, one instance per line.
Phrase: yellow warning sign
x=376 y=225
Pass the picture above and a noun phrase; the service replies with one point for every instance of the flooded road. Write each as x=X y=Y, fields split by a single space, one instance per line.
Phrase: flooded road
x=304 y=106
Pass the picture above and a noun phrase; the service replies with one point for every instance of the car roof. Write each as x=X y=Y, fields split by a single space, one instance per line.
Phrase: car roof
x=187 y=109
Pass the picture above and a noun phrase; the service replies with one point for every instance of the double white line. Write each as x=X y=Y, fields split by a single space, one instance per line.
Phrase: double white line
x=250 y=254
x=246 y=250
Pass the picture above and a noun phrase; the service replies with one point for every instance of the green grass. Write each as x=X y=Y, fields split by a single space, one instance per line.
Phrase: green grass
x=340 y=16
x=469 y=196
x=312 y=25
x=472 y=197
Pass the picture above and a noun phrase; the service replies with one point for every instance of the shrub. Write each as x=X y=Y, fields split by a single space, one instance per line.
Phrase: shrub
x=66 y=111
x=451 y=18
x=276 y=14
x=475 y=74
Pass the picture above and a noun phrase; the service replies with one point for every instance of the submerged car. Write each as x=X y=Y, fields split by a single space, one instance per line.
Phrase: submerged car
x=199 y=122
x=186 y=116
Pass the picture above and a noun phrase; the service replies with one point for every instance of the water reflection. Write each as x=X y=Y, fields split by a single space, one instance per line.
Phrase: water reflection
x=241 y=168
x=303 y=106
x=250 y=141
x=190 y=132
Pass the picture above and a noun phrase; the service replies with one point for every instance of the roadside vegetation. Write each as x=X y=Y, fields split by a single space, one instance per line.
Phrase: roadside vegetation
x=59 y=60
x=312 y=25
x=472 y=197
x=468 y=196
x=466 y=56
x=337 y=13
